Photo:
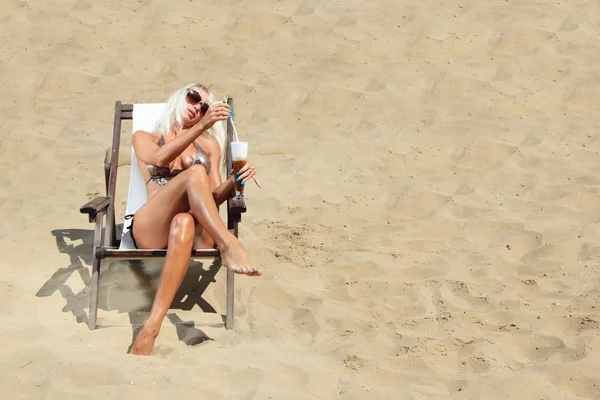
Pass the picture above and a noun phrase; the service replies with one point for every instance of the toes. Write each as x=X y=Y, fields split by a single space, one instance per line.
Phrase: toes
x=240 y=270
x=250 y=271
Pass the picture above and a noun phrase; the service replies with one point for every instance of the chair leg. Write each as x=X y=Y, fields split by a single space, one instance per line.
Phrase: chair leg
x=229 y=317
x=94 y=286
x=95 y=282
x=229 y=305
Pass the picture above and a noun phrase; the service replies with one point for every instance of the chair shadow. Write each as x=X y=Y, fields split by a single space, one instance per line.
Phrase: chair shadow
x=77 y=243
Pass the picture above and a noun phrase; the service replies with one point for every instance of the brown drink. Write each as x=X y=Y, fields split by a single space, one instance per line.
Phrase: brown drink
x=237 y=166
x=239 y=155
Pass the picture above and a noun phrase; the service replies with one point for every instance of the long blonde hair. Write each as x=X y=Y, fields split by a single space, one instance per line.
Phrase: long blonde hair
x=172 y=118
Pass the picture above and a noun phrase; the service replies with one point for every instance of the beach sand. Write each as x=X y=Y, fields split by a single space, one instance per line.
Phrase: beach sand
x=428 y=222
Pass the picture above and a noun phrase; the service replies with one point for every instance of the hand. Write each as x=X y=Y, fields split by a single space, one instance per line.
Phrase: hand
x=248 y=171
x=216 y=112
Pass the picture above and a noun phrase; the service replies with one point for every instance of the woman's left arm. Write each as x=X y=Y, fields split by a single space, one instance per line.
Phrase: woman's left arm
x=220 y=191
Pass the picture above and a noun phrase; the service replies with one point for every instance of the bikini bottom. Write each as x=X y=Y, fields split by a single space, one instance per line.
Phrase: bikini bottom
x=130 y=217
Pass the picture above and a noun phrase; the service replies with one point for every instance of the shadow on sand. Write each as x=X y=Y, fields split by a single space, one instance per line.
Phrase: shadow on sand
x=136 y=301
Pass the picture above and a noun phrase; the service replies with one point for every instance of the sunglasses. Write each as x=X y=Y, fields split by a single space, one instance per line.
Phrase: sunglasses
x=194 y=98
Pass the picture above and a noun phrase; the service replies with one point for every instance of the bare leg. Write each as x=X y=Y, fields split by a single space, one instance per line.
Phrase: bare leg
x=206 y=212
x=188 y=190
x=202 y=240
x=176 y=263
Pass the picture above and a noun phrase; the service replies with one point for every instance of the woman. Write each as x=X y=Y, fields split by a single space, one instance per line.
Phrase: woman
x=181 y=164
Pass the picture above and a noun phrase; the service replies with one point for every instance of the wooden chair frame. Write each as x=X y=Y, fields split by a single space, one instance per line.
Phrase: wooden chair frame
x=101 y=210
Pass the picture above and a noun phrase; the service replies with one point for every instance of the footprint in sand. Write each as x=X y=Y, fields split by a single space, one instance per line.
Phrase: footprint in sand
x=346 y=21
x=582 y=387
x=568 y=26
x=303 y=10
x=458 y=294
x=496 y=39
x=538 y=347
x=580 y=180
x=111 y=70
x=375 y=86
x=502 y=75
x=423 y=203
x=82 y=5
x=588 y=252
x=531 y=140
x=81 y=373
x=575 y=325
x=290 y=378
x=245 y=377
x=569 y=94
x=272 y=296
x=465 y=189
x=162 y=351
x=549 y=255
x=408 y=305
x=381 y=378
x=305 y=321
x=474 y=363
x=484 y=156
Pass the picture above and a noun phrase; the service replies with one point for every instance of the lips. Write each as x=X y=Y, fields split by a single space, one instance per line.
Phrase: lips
x=191 y=113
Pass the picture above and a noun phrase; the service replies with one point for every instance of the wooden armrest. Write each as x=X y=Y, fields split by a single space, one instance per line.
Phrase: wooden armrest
x=237 y=206
x=95 y=206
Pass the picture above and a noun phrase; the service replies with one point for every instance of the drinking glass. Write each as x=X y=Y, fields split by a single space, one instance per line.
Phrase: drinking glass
x=239 y=155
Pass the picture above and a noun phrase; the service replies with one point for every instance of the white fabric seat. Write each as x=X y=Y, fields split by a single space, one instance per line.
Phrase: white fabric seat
x=145 y=118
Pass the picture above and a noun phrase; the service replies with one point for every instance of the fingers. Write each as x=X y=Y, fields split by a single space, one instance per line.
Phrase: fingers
x=221 y=116
x=221 y=107
x=216 y=112
x=244 y=175
x=219 y=111
x=246 y=172
x=245 y=168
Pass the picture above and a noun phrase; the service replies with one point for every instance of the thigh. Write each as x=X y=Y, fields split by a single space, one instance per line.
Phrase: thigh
x=153 y=220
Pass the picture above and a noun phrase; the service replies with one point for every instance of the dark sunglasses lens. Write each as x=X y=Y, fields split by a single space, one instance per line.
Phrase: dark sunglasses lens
x=204 y=107
x=194 y=97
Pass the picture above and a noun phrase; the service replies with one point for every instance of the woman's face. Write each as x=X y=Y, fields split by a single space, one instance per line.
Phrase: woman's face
x=192 y=114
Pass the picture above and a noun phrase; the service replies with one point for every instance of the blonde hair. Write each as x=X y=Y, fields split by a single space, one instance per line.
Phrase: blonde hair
x=173 y=118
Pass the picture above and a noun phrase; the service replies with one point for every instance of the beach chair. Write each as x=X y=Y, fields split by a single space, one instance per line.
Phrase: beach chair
x=101 y=210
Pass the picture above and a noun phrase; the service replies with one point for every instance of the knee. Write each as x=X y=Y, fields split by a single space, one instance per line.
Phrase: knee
x=197 y=173
x=182 y=228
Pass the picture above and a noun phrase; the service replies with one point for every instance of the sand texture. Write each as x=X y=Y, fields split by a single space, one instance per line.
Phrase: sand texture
x=428 y=223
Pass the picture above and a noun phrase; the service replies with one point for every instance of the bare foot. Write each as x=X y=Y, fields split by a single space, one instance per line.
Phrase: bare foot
x=236 y=258
x=144 y=343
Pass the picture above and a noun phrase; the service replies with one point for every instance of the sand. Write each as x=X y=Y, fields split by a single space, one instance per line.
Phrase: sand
x=428 y=222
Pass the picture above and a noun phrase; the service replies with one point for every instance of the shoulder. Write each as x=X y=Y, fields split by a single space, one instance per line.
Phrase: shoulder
x=145 y=135
x=140 y=134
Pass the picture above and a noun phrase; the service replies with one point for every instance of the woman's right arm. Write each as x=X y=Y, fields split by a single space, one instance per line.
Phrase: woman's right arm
x=146 y=149
x=149 y=153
